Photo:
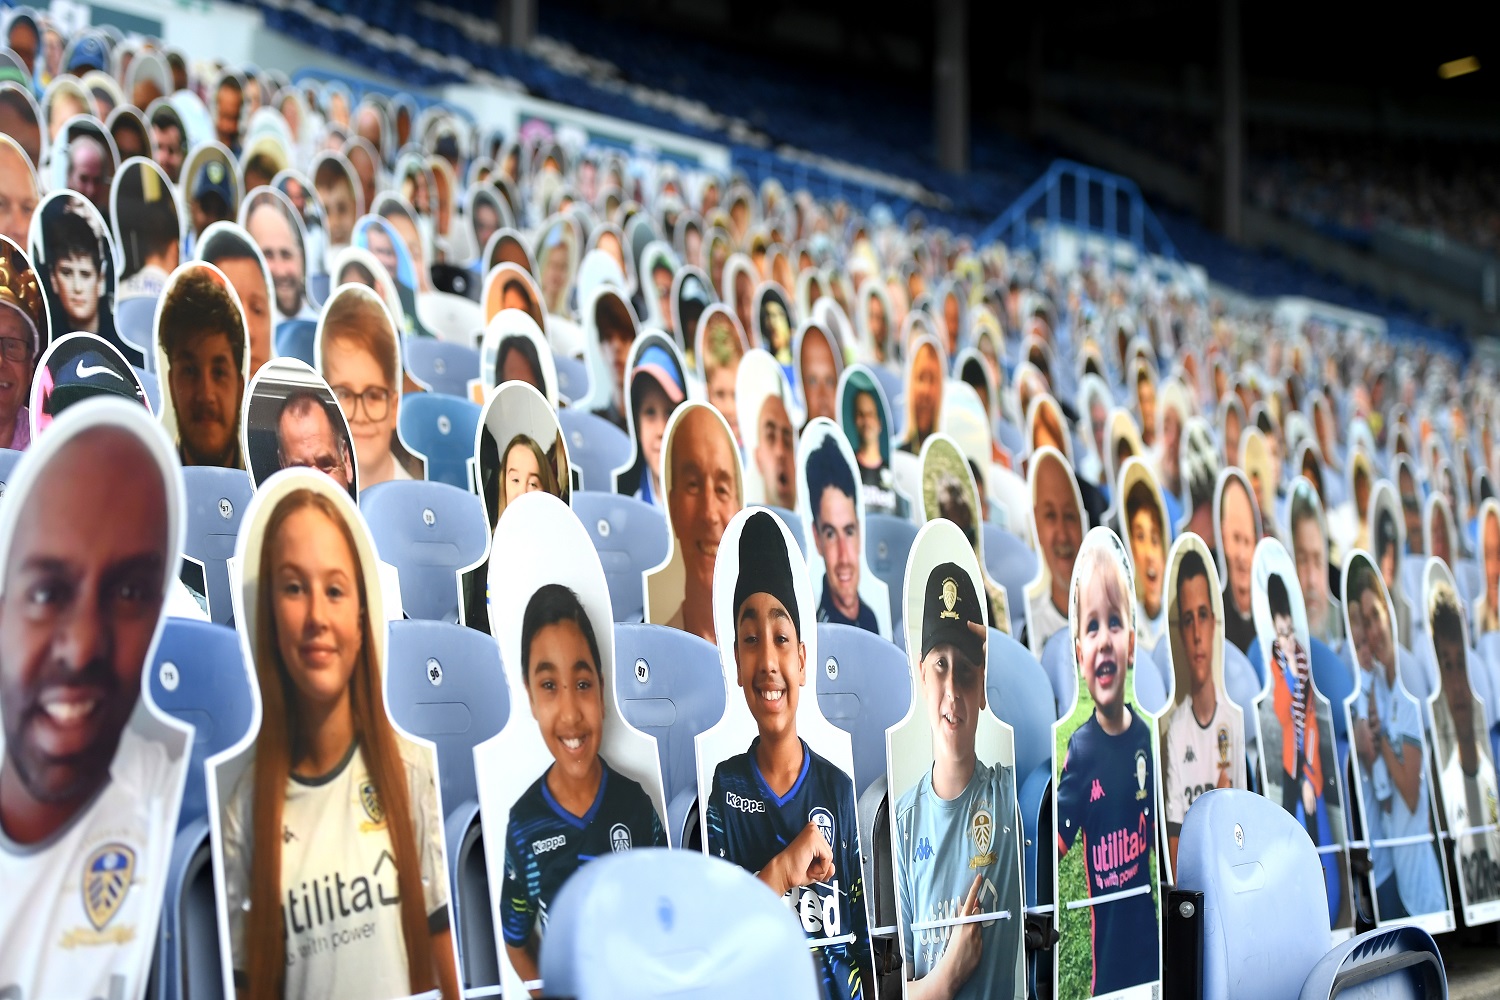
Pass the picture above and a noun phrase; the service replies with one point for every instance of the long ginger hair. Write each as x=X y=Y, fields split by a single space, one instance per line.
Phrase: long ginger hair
x=280 y=743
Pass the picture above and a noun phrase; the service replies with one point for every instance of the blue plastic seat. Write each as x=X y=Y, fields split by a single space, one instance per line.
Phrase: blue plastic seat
x=1264 y=918
x=1243 y=687
x=631 y=536
x=445 y=683
x=864 y=688
x=440 y=365
x=1335 y=679
x=1469 y=576
x=441 y=429
x=135 y=321
x=1061 y=670
x=151 y=387
x=216 y=500
x=8 y=459
x=295 y=339
x=651 y=922
x=572 y=377
x=1020 y=694
x=793 y=521
x=888 y=542
x=1011 y=563
x=197 y=676
x=318 y=286
x=669 y=683
x=429 y=532
x=596 y=448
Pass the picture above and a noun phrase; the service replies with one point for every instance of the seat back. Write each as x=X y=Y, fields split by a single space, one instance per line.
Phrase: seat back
x=216 y=500
x=793 y=521
x=135 y=319
x=1265 y=910
x=8 y=459
x=1469 y=576
x=888 y=542
x=295 y=338
x=451 y=318
x=596 y=448
x=1061 y=670
x=572 y=377
x=150 y=386
x=1020 y=694
x=428 y=531
x=1243 y=687
x=441 y=429
x=668 y=683
x=445 y=683
x=198 y=677
x=1010 y=563
x=1257 y=661
x=1412 y=571
x=864 y=688
x=440 y=365
x=630 y=536
x=652 y=922
x=1150 y=692
x=1335 y=679
x=1395 y=963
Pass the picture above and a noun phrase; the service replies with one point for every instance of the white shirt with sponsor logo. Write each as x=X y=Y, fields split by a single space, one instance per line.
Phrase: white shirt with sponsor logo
x=340 y=901
x=79 y=912
x=1194 y=752
x=1471 y=804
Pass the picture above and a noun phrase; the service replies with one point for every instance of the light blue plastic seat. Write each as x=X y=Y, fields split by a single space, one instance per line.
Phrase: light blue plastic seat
x=197 y=676
x=1469 y=576
x=216 y=500
x=1396 y=963
x=793 y=521
x=135 y=321
x=572 y=377
x=630 y=536
x=668 y=683
x=428 y=531
x=888 y=542
x=864 y=688
x=295 y=338
x=596 y=448
x=1012 y=564
x=1335 y=679
x=440 y=365
x=1020 y=694
x=650 y=922
x=151 y=387
x=8 y=459
x=1061 y=670
x=1243 y=687
x=445 y=683
x=441 y=429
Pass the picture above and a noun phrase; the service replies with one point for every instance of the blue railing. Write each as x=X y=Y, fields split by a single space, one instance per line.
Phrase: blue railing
x=1087 y=199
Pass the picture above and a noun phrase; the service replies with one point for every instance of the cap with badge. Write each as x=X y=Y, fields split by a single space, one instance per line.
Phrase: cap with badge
x=949 y=606
x=88 y=53
x=765 y=567
x=213 y=178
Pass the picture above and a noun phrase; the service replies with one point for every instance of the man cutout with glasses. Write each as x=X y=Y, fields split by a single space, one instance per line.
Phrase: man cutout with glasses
x=306 y=437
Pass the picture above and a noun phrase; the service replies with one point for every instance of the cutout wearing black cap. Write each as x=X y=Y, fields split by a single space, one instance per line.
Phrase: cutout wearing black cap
x=949 y=606
x=765 y=567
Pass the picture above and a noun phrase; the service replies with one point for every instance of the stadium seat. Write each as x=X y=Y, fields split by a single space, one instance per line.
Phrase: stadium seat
x=295 y=339
x=1243 y=687
x=1469 y=576
x=572 y=377
x=669 y=683
x=864 y=688
x=596 y=448
x=452 y=319
x=441 y=366
x=793 y=521
x=1020 y=695
x=135 y=321
x=630 y=536
x=429 y=532
x=1412 y=571
x=1011 y=563
x=1335 y=680
x=1062 y=672
x=445 y=683
x=216 y=500
x=441 y=430
x=318 y=286
x=651 y=922
x=1150 y=691
x=8 y=459
x=1264 y=921
x=888 y=542
x=197 y=676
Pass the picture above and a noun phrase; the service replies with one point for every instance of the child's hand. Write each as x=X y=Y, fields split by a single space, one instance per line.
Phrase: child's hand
x=1309 y=797
x=965 y=947
x=807 y=859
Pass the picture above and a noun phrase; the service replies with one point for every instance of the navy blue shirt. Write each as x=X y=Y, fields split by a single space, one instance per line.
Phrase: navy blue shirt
x=544 y=844
x=749 y=824
x=1107 y=792
x=829 y=612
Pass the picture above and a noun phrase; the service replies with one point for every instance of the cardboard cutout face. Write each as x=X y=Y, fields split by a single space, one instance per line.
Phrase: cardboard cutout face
x=875 y=325
x=1105 y=773
x=773 y=321
x=719 y=345
x=339 y=192
x=819 y=362
x=514 y=349
x=507 y=246
x=865 y=417
x=1046 y=428
x=703 y=482
x=1298 y=758
x=1196 y=755
x=657 y=386
x=948 y=492
x=18 y=191
x=1487 y=605
x=951 y=767
x=293 y=419
x=231 y=249
x=1143 y=521
x=926 y=369
x=297 y=800
x=274 y=223
x=24 y=332
x=1387 y=543
x=833 y=508
x=1057 y=521
x=557 y=255
x=147 y=227
x=1390 y=762
x=567 y=779
x=510 y=286
x=691 y=295
x=1462 y=757
x=209 y=187
x=359 y=356
x=1307 y=532
x=83 y=158
x=775 y=778
x=767 y=425
x=92 y=521
x=610 y=328
x=203 y=357
x=1236 y=532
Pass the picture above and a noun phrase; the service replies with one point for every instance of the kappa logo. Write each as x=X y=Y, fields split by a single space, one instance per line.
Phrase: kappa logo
x=619 y=838
x=107 y=876
x=923 y=851
x=1096 y=791
x=823 y=820
x=549 y=844
x=743 y=803
x=1188 y=757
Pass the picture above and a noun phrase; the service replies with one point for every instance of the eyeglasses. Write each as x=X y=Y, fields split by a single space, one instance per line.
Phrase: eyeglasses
x=376 y=400
x=14 y=350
